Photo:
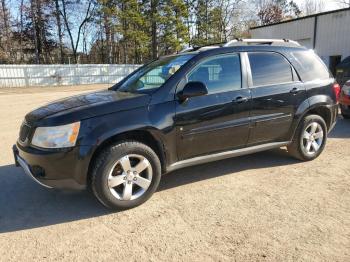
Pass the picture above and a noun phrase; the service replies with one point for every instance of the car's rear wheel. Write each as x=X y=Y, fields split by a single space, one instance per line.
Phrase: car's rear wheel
x=125 y=175
x=310 y=138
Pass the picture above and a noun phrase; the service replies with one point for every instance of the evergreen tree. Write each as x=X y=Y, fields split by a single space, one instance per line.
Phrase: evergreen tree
x=125 y=31
x=173 y=30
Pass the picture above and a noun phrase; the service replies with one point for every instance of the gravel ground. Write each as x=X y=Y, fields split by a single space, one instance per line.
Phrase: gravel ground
x=262 y=207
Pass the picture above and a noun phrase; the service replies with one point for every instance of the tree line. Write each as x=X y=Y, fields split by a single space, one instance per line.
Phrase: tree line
x=128 y=31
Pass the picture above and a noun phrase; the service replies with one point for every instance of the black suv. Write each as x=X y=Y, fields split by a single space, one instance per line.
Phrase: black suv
x=181 y=110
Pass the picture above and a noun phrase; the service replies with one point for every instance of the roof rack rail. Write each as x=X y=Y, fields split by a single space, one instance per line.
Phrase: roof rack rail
x=273 y=42
x=202 y=48
x=241 y=41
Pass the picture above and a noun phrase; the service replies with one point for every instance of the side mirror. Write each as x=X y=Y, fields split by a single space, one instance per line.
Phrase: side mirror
x=192 y=89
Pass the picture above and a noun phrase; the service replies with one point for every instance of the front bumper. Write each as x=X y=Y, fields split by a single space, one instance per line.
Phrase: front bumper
x=55 y=169
x=20 y=162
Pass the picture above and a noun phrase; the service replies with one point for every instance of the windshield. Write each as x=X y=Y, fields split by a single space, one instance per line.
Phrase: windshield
x=154 y=75
x=346 y=60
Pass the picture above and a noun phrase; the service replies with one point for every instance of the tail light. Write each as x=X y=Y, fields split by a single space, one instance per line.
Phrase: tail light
x=336 y=90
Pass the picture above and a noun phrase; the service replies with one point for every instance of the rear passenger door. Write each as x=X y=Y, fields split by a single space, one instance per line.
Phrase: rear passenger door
x=276 y=95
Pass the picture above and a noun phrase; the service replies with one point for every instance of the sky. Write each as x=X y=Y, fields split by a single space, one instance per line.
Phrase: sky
x=328 y=4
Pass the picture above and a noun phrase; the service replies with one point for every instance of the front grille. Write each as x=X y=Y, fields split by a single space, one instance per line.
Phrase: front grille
x=24 y=132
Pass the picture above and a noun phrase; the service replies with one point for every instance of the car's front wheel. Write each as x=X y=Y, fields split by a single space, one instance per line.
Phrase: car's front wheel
x=310 y=138
x=125 y=175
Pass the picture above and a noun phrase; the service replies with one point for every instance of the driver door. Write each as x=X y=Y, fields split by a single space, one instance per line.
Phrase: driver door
x=220 y=120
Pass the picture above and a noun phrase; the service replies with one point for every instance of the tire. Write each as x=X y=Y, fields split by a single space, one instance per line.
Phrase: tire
x=114 y=186
x=303 y=141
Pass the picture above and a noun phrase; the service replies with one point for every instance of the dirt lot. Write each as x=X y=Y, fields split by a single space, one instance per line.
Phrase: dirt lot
x=263 y=207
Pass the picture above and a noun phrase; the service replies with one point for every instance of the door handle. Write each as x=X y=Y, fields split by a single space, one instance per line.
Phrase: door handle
x=241 y=99
x=294 y=91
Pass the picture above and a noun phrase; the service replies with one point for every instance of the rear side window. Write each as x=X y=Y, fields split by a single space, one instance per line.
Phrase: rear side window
x=220 y=73
x=309 y=66
x=269 y=69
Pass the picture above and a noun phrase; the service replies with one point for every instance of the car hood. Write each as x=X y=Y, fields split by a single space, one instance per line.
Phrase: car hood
x=89 y=105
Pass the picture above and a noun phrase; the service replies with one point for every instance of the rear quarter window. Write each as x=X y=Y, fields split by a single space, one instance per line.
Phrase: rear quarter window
x=309 y=66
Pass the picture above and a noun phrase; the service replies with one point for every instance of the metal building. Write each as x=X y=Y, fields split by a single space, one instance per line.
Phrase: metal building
x=327 y=33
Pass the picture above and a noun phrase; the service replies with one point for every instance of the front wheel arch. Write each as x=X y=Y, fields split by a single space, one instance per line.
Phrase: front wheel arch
x=107 y=177
x=141 y=136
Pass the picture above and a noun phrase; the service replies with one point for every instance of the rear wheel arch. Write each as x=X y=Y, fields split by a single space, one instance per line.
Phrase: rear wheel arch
x=322 y=111
x=143 y=136
x=317 y=109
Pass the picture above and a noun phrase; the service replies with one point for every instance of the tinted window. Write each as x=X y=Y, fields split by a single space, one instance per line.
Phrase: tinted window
x=220 y=73
x=309 y=65
x=269 y=69
x=346 y=60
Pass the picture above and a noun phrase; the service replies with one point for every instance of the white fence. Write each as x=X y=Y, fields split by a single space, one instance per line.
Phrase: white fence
x=53 y=75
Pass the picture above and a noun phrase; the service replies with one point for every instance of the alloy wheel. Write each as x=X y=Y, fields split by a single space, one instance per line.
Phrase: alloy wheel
x=130 y=177
x=312 y=138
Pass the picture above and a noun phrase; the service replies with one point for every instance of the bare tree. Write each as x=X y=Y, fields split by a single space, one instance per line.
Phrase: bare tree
x=270 y=13
x=343 y=3
x=59 y=29
x=21 y=29
x=313 y=6
x=87 y=17
x=33 y=9
x=6 y=30
x=229 y=11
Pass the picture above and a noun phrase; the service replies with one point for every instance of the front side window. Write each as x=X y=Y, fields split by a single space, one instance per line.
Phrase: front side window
x=219 y=73
x=154 y=75
x=269 y=69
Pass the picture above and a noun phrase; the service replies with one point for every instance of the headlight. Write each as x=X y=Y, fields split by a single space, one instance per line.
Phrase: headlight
x=56 y=136
x=346 y=89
